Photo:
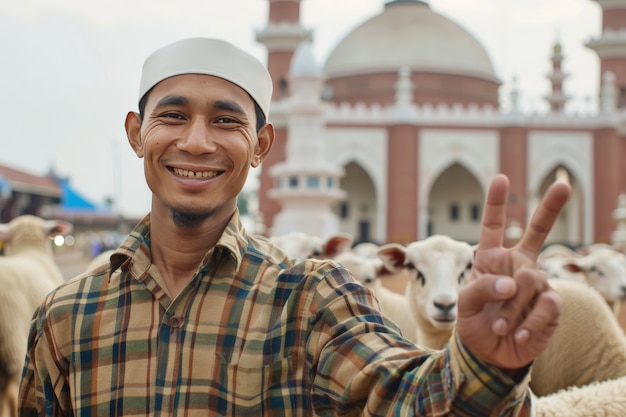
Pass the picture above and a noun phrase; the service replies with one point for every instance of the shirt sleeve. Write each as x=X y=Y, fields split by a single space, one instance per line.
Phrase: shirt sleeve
x=43 y=389
x=361 y=361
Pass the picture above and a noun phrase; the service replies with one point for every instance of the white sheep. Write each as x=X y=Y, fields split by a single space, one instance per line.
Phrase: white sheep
x=437 y=266
x=552 y=260
x=298 y=245
x=598 y=399
x=28 y=273
x=605 y=270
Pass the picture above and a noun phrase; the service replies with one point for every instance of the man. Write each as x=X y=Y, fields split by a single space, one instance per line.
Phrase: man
x=195 y=317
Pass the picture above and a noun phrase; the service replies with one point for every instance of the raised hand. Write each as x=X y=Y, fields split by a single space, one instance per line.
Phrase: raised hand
x=508 y=311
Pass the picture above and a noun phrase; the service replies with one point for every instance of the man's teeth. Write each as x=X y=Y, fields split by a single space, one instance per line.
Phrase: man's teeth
x=192 y=174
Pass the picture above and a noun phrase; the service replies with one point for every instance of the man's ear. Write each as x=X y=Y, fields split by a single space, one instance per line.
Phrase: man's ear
x=133 y=132
x=264 y=144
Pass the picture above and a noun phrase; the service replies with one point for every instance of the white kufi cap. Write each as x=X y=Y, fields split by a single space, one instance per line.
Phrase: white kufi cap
x=212 y=57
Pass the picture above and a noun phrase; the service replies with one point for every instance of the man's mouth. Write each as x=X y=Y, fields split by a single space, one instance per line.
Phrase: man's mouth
x=196 y=174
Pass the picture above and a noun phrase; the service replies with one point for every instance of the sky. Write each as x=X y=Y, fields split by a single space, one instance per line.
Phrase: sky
x=70 y=69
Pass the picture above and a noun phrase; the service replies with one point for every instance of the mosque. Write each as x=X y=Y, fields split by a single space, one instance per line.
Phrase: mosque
x=398 y=134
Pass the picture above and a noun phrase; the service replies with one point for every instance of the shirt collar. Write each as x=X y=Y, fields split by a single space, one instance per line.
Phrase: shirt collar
x=134 y=252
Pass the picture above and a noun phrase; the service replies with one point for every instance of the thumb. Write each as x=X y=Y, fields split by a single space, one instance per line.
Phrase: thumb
x=486 y=289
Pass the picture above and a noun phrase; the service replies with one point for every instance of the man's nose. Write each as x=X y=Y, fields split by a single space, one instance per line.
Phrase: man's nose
x=197 y=138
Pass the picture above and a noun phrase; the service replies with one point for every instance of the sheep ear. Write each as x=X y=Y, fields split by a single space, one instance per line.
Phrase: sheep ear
x=393 y=256
x=572 y=267
x=337 y=244
x=57 y=228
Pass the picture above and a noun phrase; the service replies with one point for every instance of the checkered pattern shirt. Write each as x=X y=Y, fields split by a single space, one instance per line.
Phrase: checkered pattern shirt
x=253 y=334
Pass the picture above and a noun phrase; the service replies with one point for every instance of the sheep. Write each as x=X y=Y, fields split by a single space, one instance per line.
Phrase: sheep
x=437 y=266
x=28 y=273
x=552 y=260
x=599 y=399
x=298 y=245
x=605 y=270
x=365 y=270
x=588 y=345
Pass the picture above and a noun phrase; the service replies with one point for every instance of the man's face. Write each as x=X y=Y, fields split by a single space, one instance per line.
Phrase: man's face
x=198 y=140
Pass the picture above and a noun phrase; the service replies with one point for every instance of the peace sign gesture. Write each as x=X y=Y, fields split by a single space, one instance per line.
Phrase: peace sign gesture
x=508 y=311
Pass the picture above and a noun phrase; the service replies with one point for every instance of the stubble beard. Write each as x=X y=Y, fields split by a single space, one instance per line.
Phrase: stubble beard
x=187 y=219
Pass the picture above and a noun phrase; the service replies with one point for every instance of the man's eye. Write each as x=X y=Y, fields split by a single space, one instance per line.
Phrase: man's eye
x=226 y=120
x=173 y=116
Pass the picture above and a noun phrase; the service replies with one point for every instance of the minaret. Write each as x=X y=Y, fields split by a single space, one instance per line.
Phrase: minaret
x=306 y=184
x=611 y=45
x=282 y=36
x=557 y=98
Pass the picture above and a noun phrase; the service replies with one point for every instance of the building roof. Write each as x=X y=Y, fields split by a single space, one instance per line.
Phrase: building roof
x=409 y=33
x=24 y=182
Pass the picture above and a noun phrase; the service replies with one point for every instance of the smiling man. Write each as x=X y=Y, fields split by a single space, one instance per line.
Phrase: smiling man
x=195 y=317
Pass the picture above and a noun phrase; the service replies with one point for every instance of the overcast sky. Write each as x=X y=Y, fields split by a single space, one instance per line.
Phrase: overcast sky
x=70 y=69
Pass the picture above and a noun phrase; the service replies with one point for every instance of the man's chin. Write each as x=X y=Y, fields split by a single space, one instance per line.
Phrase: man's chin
x=189 y=219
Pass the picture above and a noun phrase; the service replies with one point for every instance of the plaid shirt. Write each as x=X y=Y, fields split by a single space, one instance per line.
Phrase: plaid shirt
x=252 y=334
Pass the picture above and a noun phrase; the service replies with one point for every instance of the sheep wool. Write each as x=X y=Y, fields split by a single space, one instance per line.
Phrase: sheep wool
x=27 y=274
x=598 y=399
x=588 y=345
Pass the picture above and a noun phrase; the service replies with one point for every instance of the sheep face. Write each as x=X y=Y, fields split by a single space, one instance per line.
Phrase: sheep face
x=363 y=269
x=29 y=232
x=556 y=268
x=604 y=270
x=438 y=267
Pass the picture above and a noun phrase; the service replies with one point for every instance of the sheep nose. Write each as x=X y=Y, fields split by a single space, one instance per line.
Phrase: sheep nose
x=445 y=307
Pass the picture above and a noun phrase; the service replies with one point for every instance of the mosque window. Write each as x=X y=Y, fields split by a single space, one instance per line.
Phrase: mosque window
x=293 y=182
x=313 y=182
x=283 y=87
x=330 y=183
x=475 y=212
x=454 y=211
x=344 y=210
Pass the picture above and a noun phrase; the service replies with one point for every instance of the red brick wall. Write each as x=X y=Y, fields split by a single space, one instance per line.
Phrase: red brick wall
x=402 y=205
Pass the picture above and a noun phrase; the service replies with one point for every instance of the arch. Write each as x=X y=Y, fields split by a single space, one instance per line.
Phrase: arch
x=568 y=228
x=358 y=213
x=571 y=151
x=366 y=148
x=455 y=203
x=477 y=151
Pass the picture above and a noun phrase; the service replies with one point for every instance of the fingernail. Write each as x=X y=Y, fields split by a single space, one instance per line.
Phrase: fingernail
x=500 y=326
x=522 y=336
x=503 y=285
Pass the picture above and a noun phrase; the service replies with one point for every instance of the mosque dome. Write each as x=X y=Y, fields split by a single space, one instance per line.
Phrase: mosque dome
x=408 y=33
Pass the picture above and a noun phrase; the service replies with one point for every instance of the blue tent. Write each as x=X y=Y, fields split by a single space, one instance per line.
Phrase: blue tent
x=73 y=201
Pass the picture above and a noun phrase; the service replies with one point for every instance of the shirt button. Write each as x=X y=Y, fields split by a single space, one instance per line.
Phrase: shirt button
x=176 y=322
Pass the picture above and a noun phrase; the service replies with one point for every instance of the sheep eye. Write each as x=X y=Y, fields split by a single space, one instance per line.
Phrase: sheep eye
x=596 y=270
x=420 y=277
x=467 y=270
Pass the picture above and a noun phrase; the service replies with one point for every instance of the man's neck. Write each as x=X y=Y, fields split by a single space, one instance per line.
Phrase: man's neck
x=177 y=250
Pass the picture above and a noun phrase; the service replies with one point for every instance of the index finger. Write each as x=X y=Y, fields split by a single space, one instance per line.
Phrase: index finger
x=544 y=217
x=494 y=213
